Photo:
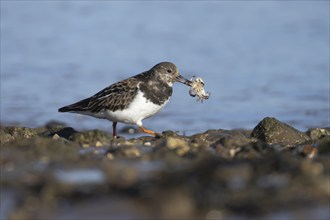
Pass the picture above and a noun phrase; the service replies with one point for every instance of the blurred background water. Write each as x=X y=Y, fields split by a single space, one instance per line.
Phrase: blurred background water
x=257 y=58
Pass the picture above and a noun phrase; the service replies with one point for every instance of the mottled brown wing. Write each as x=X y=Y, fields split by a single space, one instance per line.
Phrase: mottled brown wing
x=115 y=97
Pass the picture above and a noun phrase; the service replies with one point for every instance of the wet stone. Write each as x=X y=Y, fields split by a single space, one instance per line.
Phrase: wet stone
x=272 y=131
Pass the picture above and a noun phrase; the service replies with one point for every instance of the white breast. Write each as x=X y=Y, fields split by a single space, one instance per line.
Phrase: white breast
x=139 y=109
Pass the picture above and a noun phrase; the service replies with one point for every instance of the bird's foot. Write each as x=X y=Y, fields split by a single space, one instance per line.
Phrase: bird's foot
x=147 y=131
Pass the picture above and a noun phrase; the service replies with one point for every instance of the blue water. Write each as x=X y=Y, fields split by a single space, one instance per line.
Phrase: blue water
x=257 y=58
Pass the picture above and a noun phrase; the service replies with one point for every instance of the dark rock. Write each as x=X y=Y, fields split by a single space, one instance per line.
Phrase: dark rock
x=272 y=131
x=64 y=132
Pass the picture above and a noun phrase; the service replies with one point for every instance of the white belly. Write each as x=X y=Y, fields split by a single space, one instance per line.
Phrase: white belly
x=139 y=109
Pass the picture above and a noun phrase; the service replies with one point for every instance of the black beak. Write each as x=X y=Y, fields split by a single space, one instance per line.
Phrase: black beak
x=183 y=80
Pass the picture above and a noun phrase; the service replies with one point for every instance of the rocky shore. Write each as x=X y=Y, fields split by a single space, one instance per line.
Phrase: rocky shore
x=272 y=172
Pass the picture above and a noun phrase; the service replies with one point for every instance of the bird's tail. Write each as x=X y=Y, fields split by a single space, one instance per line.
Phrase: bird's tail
x=76 y=107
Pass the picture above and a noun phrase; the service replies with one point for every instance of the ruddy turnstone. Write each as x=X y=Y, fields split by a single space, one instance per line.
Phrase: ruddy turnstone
x=133 y=99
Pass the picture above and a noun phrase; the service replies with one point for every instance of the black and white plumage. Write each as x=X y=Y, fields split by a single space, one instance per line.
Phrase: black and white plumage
x=133 y=99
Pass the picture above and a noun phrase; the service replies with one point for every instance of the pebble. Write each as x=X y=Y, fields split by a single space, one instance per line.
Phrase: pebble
x=110 y=156
x=148 y=143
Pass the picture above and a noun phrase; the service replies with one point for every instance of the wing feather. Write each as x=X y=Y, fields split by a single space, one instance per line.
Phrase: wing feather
x=115 y=97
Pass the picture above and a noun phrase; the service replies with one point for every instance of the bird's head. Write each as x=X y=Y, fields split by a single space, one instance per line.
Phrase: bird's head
x=169 y=73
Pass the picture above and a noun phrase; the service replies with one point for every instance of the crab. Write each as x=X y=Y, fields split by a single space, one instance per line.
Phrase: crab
x=197 y=89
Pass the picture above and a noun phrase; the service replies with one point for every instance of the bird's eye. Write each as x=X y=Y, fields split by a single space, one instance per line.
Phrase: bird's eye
x=169 y=71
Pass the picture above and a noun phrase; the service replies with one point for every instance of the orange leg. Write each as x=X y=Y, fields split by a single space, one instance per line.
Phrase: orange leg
x=147 y=131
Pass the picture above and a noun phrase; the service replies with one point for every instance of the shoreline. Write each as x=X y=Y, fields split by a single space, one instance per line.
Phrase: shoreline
x=269 y=170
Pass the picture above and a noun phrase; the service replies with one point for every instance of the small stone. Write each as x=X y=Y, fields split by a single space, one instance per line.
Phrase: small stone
x=148 y=143
x=56 y=137
x=233 y=151
x=98 y=144
x=110 y=156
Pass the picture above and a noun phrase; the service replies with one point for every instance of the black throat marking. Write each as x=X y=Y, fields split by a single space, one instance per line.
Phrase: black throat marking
x=156 y=91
